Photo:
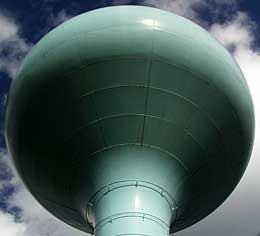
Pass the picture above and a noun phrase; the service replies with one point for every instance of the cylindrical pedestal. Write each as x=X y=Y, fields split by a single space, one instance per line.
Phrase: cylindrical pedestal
x=131 y=208
x=131 y=225
x=129 y=190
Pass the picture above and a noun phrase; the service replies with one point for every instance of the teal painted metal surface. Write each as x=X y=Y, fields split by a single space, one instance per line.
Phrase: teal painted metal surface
x=129 y=120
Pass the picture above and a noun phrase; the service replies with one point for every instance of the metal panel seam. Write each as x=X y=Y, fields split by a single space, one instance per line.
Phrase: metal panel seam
x=148 y=84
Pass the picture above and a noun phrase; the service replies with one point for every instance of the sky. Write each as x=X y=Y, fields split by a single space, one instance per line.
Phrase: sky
x=235 y=23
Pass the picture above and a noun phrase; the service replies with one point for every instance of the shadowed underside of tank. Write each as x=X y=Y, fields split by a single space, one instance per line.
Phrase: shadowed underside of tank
x=133 y=97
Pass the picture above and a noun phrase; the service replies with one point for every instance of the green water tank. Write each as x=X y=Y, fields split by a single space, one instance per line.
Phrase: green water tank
x=129 y=120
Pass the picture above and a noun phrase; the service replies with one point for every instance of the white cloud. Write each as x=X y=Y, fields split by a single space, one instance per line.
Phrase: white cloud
x=181 y=7
x=8 y=28
x=56 y=19
x=12 y=46
x=189 y=8
x=238 y=32
x=8 y=226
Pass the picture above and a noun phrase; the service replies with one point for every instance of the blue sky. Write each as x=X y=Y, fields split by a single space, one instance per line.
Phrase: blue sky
x=235 y=23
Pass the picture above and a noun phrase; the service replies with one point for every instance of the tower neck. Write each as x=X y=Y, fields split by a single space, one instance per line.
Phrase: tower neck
x=131 y=208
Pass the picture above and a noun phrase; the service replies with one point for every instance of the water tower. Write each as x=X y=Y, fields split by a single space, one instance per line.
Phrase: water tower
x=129 y=120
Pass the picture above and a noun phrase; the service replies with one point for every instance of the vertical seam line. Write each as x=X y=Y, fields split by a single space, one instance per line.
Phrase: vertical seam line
x=148 y=84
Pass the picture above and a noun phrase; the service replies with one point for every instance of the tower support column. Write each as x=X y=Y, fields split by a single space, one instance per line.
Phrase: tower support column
x=131 y=208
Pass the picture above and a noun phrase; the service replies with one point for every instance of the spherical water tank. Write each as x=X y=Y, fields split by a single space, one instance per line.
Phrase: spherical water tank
x=129 y=120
